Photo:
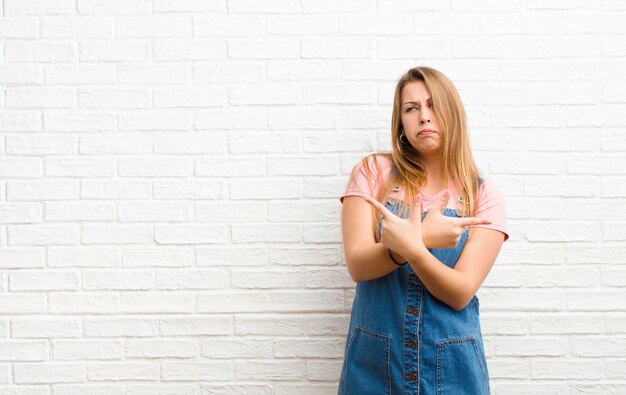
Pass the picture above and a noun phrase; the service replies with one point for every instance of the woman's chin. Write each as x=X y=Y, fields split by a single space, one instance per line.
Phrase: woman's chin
x=428 y=150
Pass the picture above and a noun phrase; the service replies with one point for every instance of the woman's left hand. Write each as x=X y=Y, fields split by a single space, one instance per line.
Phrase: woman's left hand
x=400 y=235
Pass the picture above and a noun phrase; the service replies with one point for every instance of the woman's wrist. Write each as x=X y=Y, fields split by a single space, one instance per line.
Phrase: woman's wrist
x=424 y=237
x=396 y=258
x=417 y=252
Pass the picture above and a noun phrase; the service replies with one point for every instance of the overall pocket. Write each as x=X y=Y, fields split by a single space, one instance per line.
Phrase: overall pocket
x=460 y=367
x=367 y=363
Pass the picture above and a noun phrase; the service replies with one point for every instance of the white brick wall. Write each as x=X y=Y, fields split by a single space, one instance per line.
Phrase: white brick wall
x=169 y=175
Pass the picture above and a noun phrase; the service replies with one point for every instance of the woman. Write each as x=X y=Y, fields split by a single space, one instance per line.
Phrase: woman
x=419 y=258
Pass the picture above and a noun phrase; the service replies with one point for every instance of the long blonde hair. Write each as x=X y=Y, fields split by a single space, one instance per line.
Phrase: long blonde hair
x=409 y=171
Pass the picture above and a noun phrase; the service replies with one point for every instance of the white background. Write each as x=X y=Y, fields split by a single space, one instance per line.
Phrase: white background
x=170 y=173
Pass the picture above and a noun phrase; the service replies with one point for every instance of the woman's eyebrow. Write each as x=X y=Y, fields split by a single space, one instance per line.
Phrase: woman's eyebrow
x=406 y=102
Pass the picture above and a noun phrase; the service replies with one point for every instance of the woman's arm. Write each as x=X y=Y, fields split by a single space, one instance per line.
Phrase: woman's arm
x=366 y=259
x=457 y=286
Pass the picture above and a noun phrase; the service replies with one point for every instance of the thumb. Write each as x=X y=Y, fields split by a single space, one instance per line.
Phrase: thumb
x=417 y=210
x=440 y=203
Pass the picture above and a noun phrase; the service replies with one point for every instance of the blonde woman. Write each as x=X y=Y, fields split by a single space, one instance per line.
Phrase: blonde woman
x=421 y=230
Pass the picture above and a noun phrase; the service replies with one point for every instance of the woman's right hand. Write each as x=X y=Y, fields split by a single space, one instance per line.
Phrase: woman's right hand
x=440 y=231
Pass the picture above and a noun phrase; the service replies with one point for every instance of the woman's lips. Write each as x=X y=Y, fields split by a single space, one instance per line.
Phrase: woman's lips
x=426 y=133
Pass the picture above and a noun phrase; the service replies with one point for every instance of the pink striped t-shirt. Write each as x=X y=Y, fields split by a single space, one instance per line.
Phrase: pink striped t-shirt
x=490 y=205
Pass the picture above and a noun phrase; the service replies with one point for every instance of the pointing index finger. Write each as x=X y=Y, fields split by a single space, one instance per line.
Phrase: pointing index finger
x=382 y=209
x=470 y=221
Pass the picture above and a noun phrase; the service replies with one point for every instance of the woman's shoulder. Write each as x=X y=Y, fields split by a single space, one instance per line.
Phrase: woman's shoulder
x=491 y=204
x=381 y=159
x=489 y=194
x=368 y=175
x=489 y=186
x=488 y=191
x=377 y=164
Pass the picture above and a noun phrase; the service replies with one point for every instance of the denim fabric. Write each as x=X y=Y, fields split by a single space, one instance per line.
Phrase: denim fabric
x=403 y=340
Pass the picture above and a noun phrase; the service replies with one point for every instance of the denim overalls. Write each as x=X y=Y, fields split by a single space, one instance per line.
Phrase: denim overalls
x=403 y=340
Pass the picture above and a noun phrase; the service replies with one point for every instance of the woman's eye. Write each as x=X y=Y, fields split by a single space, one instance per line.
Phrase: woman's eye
x=410 y=108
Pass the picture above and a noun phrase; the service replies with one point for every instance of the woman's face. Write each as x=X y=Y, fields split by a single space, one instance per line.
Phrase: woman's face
x=417 y=116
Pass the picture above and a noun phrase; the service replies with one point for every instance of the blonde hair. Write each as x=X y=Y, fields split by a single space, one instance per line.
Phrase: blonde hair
x=409 y=171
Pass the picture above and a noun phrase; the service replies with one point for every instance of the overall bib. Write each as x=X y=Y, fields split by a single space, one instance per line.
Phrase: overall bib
x=403 y=340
